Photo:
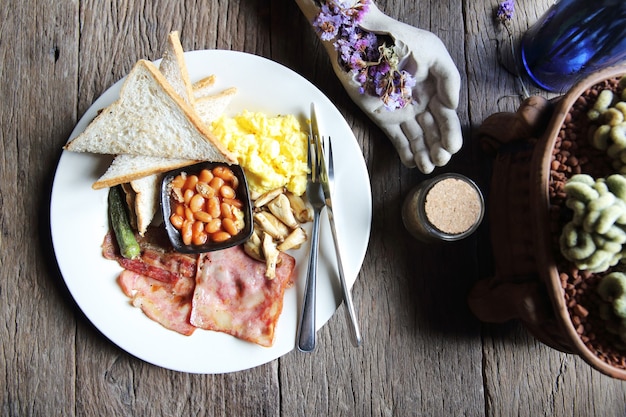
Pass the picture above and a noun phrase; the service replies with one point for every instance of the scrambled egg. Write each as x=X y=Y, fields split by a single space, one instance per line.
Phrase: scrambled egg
x=271 y=150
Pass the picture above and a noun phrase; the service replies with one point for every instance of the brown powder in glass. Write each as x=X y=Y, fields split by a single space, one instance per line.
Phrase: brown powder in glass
x=452 y=206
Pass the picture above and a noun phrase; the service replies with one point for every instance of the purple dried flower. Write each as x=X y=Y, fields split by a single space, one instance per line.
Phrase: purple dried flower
x=505 y=11
x=372 y=63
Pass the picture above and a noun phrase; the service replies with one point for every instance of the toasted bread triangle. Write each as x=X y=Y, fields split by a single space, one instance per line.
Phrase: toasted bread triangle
x=174 y=68
x=150 y=119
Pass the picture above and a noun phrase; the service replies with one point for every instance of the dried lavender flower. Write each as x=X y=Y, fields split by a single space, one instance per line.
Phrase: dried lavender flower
x=370 y=58
x=505 y=11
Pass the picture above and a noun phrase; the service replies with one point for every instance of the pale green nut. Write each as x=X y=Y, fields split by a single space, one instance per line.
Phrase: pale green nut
x=600 y=261
x=577 y=245
x=601 y=137
x=614 y=150
x=608 y=217
x=606 y=244
x=579 y=189
x=595 y=237
x=616 y=234
x=612 y=116
x=605 y=98
x=618 y=134
x=579 y=208
x=617 y=185
x=600 y=186
x=621 y=106
x=612 y=289
x=594 y=114
x=583 y=178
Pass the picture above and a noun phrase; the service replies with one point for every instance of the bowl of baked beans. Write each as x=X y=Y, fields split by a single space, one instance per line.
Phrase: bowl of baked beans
x=206 y=207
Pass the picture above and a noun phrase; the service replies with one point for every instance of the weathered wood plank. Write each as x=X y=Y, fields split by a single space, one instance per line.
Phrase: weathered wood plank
x=423 y=354
x=38 y=68
x=417 y=339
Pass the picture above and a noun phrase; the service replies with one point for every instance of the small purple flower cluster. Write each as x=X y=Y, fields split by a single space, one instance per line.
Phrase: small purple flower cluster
x=368 y=56
x=505 y=11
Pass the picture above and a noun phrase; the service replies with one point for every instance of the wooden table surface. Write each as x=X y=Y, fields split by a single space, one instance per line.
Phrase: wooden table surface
x=424 y=354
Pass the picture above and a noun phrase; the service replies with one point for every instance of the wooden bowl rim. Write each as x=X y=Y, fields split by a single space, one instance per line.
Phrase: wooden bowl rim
x=540 y=203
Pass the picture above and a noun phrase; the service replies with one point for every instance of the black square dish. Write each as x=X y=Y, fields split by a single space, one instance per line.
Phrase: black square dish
x=168 y=205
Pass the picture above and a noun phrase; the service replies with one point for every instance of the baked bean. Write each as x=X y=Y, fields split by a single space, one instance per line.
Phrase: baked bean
x=226 y=210
x=233 y=202
x=214 y=225
x=188 y=214
x=177 y=221
x=179 y=209
x=200 y=239
x=197 y=228
x=190 y=183
x=213 y=207
x=187 y=196
x=196 y=203
x=186 y=232
x=227 y=192
x=220 y=236
x=179 y=181
x=204 y=189
x=205 y=176
x=208 y=206
x=216 y=183
x=224 y=173
x=202 y=216
x=229 y=226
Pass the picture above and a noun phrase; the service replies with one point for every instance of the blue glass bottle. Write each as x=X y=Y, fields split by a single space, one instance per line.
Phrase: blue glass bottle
x=574 y=38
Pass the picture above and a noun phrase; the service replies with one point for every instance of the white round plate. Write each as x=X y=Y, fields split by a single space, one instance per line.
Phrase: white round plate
x=78 y=216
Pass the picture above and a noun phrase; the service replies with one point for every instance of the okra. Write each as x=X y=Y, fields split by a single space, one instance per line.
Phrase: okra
x=118 y=216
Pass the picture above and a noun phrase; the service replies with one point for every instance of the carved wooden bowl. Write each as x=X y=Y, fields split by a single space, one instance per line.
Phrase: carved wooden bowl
x=532 y=282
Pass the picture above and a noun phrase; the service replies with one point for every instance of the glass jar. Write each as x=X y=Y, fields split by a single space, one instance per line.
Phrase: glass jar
x=445 y=208
x=573 y=39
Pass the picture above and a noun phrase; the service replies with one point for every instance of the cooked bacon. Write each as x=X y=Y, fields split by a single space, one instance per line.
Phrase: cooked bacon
x=166 y=303
x=158 y=260
x=224 y=291
x=233 y=296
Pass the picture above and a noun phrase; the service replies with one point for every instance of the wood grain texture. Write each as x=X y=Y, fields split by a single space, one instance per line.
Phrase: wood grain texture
x=424 y=354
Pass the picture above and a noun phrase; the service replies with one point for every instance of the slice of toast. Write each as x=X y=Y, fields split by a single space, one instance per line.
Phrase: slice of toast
x=174 y=68
x=211 y=107
x=203 y=87
x=150 y=119
x=127 y=168
x=147 y=197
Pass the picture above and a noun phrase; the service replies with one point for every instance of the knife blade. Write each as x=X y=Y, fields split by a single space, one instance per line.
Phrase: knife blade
x=355 y=333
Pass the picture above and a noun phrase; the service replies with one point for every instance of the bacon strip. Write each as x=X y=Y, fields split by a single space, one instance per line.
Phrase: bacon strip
x=166 y=303
x=232 y=295
x=158 y=259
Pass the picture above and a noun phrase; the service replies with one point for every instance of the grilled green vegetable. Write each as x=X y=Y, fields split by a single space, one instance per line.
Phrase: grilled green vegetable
x=118 y=216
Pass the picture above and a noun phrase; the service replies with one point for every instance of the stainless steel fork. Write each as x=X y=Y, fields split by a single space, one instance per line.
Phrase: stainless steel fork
x=315 y=195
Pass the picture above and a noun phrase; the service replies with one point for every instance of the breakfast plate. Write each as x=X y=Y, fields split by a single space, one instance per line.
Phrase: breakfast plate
x=78 y=217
